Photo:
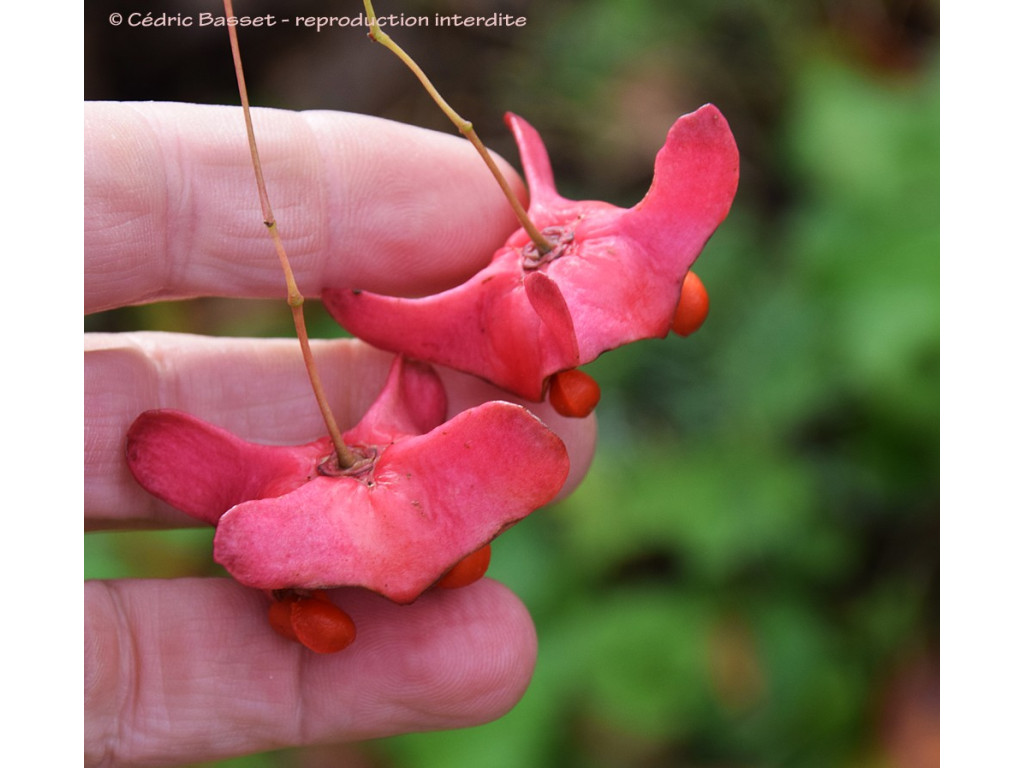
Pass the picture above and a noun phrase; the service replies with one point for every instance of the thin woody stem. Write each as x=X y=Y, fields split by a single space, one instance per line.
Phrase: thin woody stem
x=346 y=458
x=464 y=127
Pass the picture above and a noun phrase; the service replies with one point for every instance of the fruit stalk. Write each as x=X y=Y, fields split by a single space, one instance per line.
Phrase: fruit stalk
x=465 y=127
x=346 y=457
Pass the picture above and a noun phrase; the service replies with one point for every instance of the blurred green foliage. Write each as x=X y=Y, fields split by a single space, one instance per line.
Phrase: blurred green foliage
x=752 y=564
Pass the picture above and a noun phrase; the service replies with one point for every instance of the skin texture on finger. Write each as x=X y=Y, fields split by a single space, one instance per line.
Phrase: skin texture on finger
x=255 y=388
x=361 y=202
x=160 y=656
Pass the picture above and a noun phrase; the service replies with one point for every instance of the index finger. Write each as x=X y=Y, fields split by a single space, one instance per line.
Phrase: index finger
x=361 y=202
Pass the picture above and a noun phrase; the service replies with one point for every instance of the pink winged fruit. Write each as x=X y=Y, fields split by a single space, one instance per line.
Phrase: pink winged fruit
x=424 y=496
x=613 y=275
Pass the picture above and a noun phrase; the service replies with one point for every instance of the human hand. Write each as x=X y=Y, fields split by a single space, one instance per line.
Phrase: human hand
x=188 y=670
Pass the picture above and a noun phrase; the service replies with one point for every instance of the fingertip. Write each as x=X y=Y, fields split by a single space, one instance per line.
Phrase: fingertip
x=404 y=210
x=492 y=686
x=453 y=659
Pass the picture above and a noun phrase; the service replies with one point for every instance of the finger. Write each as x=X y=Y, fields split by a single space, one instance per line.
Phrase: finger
x=188 y=670
x=255 y=388
x=362 y=202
